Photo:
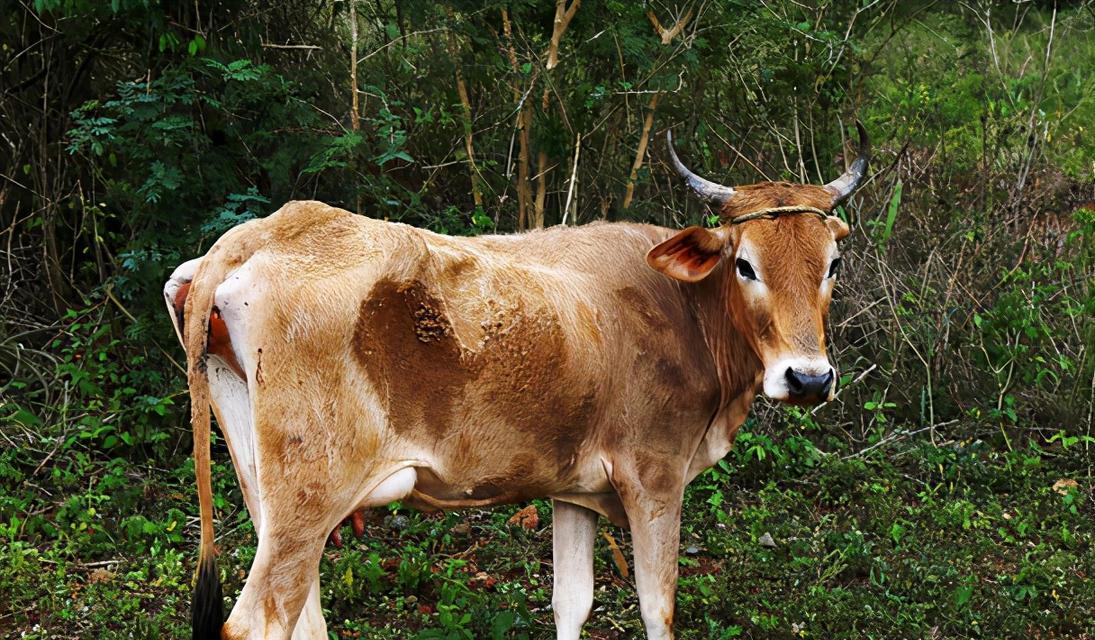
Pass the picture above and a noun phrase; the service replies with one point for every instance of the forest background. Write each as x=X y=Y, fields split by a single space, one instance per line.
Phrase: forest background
x=946 y=492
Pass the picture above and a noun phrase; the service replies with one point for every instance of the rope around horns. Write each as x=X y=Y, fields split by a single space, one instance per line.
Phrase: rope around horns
x=775 y=212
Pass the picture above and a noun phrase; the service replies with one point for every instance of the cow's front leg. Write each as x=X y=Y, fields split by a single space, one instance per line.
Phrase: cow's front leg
x=574 y=530
x=652 y=499
x=656 y=544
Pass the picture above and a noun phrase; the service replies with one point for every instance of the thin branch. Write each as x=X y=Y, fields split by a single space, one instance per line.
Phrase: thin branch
x=573 y=178
x=309 y=47
x=667 y=35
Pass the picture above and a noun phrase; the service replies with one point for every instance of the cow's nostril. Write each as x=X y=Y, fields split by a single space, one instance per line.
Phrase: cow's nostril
x=794 y=383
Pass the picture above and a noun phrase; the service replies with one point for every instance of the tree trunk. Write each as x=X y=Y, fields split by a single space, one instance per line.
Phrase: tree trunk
x=355 y=109
x=563 y=16
x=355 y=105
x=667 y=35
x=541 y=177
x=524 y=122
x=465 y=104
x=640 y=153
x=469 y=147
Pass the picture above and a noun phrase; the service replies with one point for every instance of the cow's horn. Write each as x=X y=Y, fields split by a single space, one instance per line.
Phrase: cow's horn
x=843 y=186
x=704 y=188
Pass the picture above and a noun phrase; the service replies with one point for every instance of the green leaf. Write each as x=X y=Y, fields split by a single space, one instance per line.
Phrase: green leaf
x=891 y=216
x=502 y=623
x=897 y=532
x=963 y=594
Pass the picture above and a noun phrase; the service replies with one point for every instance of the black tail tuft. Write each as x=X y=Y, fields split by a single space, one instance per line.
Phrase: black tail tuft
x=207 y=610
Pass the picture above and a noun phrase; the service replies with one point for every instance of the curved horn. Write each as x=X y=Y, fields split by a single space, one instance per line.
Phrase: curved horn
x=704 y=188
x=843 y=186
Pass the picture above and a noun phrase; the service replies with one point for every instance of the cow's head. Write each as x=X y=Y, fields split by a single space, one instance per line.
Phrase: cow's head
x=779 y=244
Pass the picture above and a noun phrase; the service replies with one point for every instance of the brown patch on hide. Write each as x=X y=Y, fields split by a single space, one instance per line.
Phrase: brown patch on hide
x=260 y=380
x=587 y=319
x=270 y=608
x=430 y=323
x=634 y=301
x=406 y=345
x=676 y=377
x=669 y=372
x=458 y=267
x=429 y=382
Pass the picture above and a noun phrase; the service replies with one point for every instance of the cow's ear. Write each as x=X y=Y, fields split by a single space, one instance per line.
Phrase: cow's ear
x=837 y=227
x=691 y=254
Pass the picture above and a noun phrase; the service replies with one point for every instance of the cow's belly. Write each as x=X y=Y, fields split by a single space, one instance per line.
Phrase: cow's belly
x=443 y=483
x=497 y=464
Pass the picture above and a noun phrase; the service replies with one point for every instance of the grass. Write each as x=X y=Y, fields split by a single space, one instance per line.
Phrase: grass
x=780 y=540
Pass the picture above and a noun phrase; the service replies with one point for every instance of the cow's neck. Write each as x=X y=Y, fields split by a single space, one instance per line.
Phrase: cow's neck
x=738 y=368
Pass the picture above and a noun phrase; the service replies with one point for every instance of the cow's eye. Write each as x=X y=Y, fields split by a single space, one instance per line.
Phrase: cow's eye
x=745 y=269
x=834 y=266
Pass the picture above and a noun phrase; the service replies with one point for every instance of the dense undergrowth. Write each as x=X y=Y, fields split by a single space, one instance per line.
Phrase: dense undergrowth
x=781 y=540
x=947 y=492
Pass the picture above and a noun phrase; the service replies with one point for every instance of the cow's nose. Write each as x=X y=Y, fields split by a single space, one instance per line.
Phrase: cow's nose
x=806 y=385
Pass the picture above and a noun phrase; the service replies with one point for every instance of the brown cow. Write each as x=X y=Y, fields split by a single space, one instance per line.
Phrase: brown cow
x=352 y=362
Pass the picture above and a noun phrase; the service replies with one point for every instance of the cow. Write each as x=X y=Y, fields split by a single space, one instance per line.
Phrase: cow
x=352 y=362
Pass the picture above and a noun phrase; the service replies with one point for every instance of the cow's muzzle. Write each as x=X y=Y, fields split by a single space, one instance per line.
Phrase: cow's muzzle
x=808 y=388
x=801 y=380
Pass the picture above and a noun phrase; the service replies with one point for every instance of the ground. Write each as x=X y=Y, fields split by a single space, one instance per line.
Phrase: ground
x=783 y=539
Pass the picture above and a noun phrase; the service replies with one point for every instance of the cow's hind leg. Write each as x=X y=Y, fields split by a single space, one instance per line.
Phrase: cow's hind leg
x=574 y=530
x=311 y=625
x=233 y=413
x=282 y=577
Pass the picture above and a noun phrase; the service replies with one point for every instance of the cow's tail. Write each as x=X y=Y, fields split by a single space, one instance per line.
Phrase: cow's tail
x=207 y=613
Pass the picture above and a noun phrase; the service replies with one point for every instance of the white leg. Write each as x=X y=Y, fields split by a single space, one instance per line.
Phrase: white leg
x=574 y=530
